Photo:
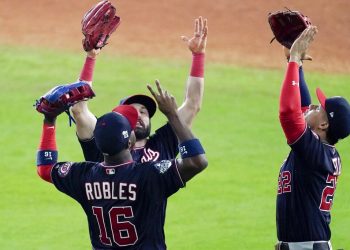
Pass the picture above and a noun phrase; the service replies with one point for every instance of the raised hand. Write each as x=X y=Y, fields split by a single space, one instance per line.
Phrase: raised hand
x=304 y=56
x=198 y=42
x=93 y=53
x=166 y=102
x=301 y=44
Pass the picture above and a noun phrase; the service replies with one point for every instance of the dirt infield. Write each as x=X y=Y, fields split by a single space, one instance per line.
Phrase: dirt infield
x=238 y=30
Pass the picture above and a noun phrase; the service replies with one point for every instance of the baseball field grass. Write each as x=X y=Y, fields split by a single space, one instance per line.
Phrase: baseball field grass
x=231 y=205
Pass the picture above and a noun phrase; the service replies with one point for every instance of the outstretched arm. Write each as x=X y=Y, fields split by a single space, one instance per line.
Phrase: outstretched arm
x=193 y=156
x=195 y=82
x=85 y=120
x=290 y=113
x=47 y=151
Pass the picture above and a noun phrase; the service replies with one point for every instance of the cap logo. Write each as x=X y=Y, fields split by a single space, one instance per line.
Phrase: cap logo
x=125 y=134
x=331 y=114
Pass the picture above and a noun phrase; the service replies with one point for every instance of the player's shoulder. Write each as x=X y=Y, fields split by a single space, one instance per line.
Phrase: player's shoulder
x=165 y=129
x=143 y=165
x=75 y=164
x=64 y=168
x=308 y=137
x=332 y=151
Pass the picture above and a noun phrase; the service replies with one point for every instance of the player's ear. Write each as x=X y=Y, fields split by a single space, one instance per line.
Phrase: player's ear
x=323 y=126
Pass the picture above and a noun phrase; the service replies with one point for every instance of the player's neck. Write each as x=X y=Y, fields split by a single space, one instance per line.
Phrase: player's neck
x=322 y=134
x=140 y=143
x=120 y=158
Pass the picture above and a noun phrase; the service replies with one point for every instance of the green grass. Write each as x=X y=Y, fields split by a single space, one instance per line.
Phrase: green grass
x=231 y=205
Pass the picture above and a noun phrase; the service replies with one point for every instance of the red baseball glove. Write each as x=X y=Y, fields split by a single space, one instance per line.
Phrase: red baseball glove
x=287 y=26
x=98 y=24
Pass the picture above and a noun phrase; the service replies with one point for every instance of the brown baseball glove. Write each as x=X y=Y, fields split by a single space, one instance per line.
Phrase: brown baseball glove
x=287 y=26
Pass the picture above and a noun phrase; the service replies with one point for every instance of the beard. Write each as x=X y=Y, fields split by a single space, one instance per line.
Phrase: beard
x=142 y=133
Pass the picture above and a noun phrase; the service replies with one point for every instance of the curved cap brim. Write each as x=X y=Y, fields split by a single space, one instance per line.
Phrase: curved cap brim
x=321 y=98
x=145 y=100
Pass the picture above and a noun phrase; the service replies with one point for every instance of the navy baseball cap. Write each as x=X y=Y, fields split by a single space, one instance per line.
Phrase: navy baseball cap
x=338 y=112
x=112 y=133
x=145 y=100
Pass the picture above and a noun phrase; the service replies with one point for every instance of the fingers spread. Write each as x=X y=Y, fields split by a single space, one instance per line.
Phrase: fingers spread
x=159 y=88
x=200 y=22
x=205 y=32
x=196 y=26
x=151 y=90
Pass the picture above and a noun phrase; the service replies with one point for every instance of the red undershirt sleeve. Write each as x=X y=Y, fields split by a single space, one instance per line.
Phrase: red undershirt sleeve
x=87 y=72
x=290 y=112
x=47 y=152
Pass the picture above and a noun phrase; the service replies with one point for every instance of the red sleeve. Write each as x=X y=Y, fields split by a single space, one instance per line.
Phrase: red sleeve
x=47 y=142
x=87 y=72
x=290 y=113
x=44 y=171
x=304 y=109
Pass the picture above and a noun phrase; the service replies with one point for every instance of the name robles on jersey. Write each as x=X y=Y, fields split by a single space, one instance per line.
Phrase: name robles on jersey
x=110 y=191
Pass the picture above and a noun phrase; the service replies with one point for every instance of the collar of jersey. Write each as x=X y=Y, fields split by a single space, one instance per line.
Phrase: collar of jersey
x=115 y=166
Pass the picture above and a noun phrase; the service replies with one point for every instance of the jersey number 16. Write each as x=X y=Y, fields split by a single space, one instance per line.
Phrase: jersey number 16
x=123 y=232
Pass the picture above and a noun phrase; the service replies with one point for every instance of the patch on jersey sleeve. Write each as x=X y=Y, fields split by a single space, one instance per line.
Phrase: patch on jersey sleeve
x=64 y=169
x=163 y=166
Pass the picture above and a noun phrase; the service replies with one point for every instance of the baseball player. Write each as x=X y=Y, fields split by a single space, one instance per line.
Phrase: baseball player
x=123 y=199
x=163 y=144
x=308 y=177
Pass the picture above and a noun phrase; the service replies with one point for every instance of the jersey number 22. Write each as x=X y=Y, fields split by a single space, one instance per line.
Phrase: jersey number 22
x=328 y=192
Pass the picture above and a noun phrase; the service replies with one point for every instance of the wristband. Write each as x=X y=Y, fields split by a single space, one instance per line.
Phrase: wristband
x=191 y=148
x=46 y=157
x=197 y=68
